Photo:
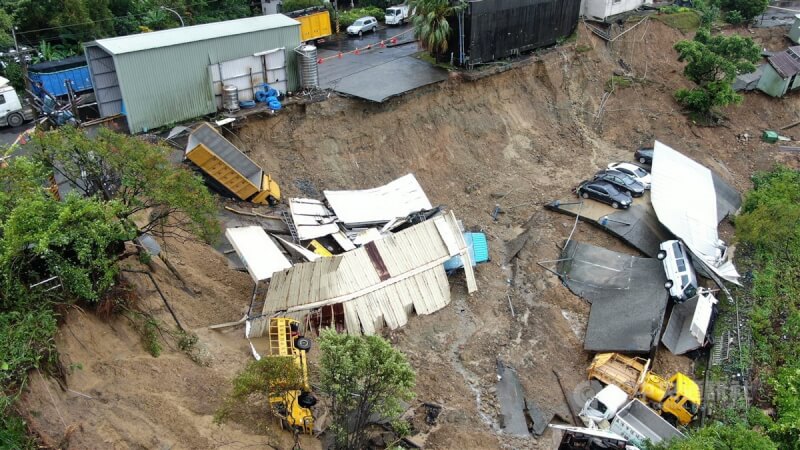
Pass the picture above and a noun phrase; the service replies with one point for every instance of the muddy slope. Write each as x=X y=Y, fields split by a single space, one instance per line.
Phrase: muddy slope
x=516 y=139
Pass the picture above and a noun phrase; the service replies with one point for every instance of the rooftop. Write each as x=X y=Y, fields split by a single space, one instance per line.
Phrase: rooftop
x=786 y=63
x=184 y=35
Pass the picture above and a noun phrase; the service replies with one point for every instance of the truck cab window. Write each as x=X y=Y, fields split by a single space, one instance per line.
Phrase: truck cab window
x=2 y=99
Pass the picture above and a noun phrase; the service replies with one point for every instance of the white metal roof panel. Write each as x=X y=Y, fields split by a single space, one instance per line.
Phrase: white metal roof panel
x=311 y=218
x=185 y=35
x=685 y=201
x=382 y=204
x=258 y=252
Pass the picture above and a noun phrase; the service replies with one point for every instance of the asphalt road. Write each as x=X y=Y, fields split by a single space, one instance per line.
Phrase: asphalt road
x=344 y=43
x=9 y=134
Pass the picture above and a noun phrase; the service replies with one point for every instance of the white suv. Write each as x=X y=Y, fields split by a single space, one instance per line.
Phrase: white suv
x=681 y=279
x=362 y=25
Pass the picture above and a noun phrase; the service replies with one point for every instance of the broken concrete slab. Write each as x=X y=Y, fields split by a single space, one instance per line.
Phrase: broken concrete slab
x=539 y=418
x=637 y=226
x=626 y=292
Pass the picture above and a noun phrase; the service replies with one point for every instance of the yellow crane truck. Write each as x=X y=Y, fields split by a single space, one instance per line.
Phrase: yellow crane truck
x=677 y=399
x=229 y=167
x=293 y=406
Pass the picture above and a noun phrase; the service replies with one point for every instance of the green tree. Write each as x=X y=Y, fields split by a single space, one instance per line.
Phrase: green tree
x=363 y=376
x=136 y=174
x=431 y=25
x=267 y=377
x=747 y=8
x=719 y=437
x=713 y=62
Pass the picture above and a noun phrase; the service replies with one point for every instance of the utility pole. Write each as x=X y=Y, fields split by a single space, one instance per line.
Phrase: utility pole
x=23 y=62
x=174 y=12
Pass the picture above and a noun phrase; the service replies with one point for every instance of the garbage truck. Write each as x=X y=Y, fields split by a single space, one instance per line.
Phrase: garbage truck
x=396 y=15
x=13 y=110
x=676 y=399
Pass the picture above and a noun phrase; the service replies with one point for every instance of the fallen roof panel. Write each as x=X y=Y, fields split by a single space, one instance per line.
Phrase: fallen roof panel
x=626 y=292
x=382 y=204
x=311 y=218
x=260 y=255
x=685 y=199
x=380 y=282
x=688 y=324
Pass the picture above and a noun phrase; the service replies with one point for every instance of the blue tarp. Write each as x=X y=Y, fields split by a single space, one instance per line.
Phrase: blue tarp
x=54 y=81
x=478 y=252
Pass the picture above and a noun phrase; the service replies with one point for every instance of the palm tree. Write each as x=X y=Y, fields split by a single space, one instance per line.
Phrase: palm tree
x=430 y=22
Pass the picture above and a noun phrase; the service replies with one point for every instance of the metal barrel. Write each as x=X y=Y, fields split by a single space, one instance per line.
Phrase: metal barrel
x=309 y=72
x=230 y=97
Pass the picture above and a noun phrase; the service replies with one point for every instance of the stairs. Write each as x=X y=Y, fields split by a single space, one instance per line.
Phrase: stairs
x=287 y=219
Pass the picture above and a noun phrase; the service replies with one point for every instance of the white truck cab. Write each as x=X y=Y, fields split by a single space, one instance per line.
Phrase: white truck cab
x=603 y=406
x=12 y=111
x=396 y=15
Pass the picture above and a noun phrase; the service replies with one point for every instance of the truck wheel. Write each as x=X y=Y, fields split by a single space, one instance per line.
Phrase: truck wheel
x=306 y=400
x=661 y=255
x=668 y=284
x=15 y=119
x=302 y=343
x=671 y=419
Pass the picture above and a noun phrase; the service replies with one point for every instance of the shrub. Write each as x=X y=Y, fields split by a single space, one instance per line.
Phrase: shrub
x=734 y=17
x=346 y=18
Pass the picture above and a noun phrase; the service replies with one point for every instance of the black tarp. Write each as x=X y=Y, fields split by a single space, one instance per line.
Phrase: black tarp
x=496 y=29
x=57 y=66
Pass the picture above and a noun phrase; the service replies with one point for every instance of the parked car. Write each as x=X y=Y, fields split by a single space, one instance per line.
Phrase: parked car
x=622 y=181
x=605 y=192
x=681 y=279
x=644 y=155
x=633 y=171
x=363 y=25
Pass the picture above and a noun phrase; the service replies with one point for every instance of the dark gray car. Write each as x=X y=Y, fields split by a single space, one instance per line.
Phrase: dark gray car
x=622 y=181
x=605 y=192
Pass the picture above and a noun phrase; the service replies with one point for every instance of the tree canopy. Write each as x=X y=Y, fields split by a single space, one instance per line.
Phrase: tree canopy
x=712 y=63
x=431 y=25
x=363 y=376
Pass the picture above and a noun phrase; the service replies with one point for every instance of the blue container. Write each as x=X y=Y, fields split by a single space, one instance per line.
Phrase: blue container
x=53 y=82
x=275 y=106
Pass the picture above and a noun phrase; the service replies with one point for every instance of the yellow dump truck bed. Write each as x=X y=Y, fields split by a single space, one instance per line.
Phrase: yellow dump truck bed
x=226 y=164
x=314 y=26
x=627 y=373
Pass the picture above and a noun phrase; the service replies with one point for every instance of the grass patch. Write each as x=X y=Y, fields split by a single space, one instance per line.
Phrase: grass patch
x=618 y=82
x=683 y=21
x=430 y=59
x=582 y=48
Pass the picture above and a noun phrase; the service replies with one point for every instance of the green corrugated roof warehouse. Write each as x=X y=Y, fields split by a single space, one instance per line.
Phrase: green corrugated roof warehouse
x=165 y=77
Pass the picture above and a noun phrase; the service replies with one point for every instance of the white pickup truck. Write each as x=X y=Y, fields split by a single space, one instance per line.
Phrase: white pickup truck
x=397 y=15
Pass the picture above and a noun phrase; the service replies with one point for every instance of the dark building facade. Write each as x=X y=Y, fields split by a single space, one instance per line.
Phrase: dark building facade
x=489 y=30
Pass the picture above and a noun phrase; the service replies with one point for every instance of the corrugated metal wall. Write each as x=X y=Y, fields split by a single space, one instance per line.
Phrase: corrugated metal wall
x=502 y=28
x=166 y=85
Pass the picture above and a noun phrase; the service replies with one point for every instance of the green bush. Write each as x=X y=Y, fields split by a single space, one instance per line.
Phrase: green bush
x=296 y=5
x=719 y=437
x=346 y=18
x=734 y=17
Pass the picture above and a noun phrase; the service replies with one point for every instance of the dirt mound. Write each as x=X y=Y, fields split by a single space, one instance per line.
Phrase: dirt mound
x=516 y=139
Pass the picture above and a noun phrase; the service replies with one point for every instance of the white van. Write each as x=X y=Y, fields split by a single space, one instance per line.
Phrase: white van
x=681 y=279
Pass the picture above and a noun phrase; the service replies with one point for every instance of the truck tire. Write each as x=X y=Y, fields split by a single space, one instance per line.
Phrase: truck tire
x=306 y=400
x=302 y=343
x=15 y=120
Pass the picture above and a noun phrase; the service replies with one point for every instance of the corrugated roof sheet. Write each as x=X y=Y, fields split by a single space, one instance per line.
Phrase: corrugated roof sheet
x=183 y=35
x=786 y=63
x=311 y=218
x=380 y=283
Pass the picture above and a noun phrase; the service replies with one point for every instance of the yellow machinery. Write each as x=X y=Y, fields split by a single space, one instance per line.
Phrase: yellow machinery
x=677 y=397
x=292 y=406
x=319 y=249
x=316 y=25
x=229 y=167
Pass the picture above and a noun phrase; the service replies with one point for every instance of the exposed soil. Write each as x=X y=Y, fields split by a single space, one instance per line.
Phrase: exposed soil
x=515 y=139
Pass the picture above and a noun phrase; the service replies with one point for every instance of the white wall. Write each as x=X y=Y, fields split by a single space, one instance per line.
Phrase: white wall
x=600 y=9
